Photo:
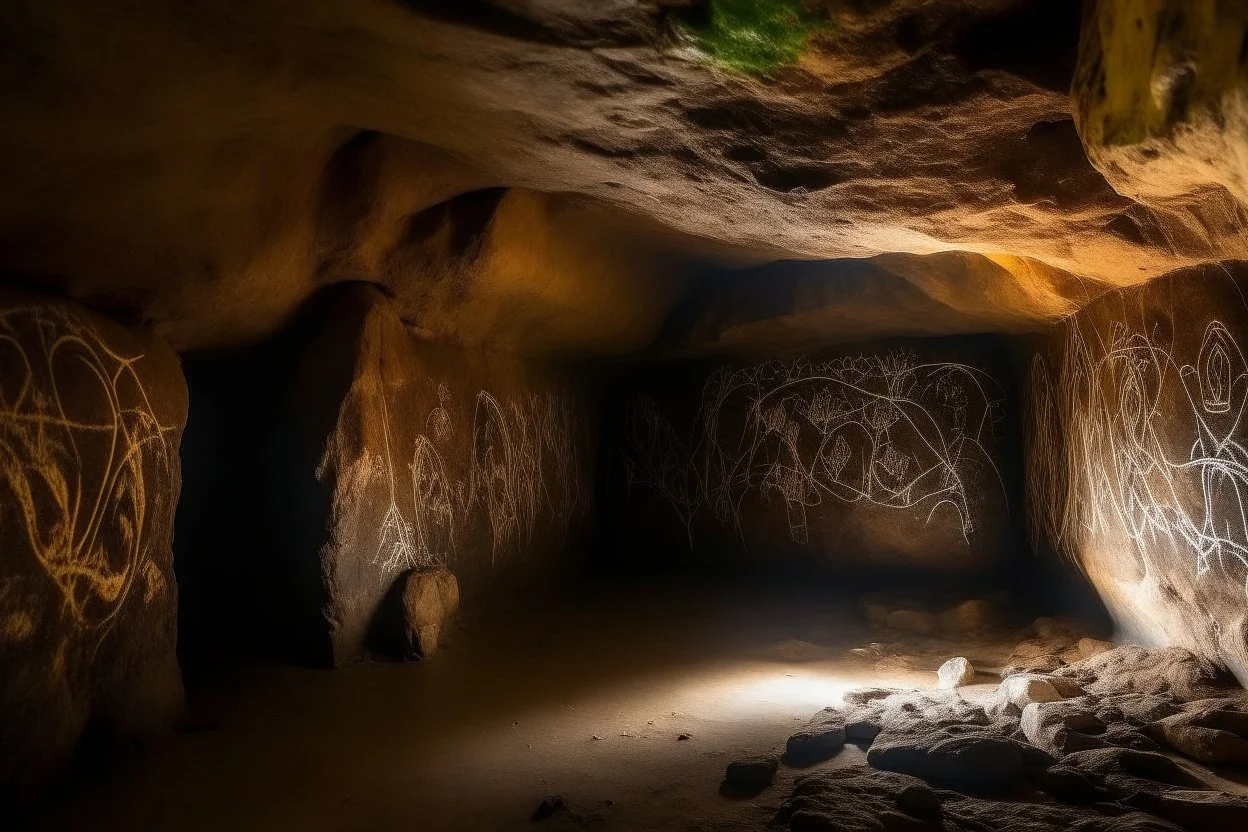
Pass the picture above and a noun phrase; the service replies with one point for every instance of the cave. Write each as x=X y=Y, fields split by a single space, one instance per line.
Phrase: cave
x=639 y=415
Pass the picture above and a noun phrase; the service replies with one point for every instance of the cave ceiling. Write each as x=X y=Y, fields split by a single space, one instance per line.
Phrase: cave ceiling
x=557 y=177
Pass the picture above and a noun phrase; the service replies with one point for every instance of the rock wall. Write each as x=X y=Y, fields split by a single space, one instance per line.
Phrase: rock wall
x=434 y=456
x=91 y=414
x=1137 y=462
x=889 y=454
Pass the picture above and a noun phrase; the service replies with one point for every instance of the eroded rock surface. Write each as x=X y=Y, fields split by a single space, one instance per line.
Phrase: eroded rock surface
x=91 y=415
x=430 y=458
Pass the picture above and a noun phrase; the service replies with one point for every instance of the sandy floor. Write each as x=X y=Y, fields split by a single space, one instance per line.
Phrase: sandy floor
x=586 y=700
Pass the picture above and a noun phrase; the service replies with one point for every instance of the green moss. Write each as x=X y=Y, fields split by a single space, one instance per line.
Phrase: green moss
x=755 y=36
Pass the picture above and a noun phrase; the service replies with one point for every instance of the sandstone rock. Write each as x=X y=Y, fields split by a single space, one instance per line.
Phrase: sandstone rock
x=1193 y=735
x=971 y=617
x=1025 y=688
x=1130 y=770
x=1067 y=784
x=428 y=456
x=1061 y=727
x=861 y=696
x=91 y=415
x=819 y=741
x=1201 y=809
x=430 y=599
x=1088 y=648
x=750 y=775
x=955 y=673
x=970 y=762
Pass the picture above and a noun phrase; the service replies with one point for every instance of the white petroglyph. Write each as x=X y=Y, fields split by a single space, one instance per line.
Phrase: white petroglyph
x=882 y=429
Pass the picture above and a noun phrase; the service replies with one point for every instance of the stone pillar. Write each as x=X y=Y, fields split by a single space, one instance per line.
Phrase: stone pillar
x=91 y=416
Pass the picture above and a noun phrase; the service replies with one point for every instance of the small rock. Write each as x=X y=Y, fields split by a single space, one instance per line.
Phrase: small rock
x=1061 y=728
x=919 y=801
x=955 y=673
x=1026 y=688
x=1032 y=664
x=550 y=805
x=975 y=762
x=750 y=775
x=684 y=737
x=429 y=600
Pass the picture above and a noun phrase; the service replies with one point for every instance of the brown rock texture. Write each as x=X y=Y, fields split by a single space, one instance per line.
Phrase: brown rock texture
x=881 y=454
x=91 y=414
x=209 y=167
x=430 y=599
x=1161 y=97
x=431 y=457
x=1136 y=462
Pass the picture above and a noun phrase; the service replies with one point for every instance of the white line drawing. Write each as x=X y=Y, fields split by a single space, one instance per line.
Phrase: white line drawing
x=523 y=463
x=882 y=428
x=91 y=476
x=1108 y=449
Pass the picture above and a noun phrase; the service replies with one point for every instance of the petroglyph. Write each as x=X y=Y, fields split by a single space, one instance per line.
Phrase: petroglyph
x=523 y=463
x=86 y=471
x=1130 y=437
x=882 y=429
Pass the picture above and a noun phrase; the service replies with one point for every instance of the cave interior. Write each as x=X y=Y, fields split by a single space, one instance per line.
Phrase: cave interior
x=637 y=415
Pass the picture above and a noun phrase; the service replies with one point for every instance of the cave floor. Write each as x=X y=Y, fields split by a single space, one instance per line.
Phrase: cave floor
x=586 y=697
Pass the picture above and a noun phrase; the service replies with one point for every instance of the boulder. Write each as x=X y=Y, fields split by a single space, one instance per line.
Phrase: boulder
x=751 y=775
x=430 y=598
x=955 y=673
x=1061 y=727
x=1196 y=735
x=1024 y=688
x=91 y=416
x=819 y=741
x=973 y=762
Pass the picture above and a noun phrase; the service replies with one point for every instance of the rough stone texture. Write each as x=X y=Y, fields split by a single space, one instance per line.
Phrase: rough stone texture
x=1023 y=689
x=91 y=415
x=918 y=127
x=820 y=740
x=1161 y=97
x=430 y=598
x=1208 y=736
x=751 y=775
x=1136 y=463
x=431 y=456
x=885 y=454
x=941 y=762
x=955 y=673
x=971 y=617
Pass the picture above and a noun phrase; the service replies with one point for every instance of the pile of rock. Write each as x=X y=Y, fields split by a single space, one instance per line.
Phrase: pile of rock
x=1084 y=746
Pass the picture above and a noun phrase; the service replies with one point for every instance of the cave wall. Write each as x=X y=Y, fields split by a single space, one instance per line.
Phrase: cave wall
x=1137 y=468
x=428 y=454
x=892 y=454
x=91 y=414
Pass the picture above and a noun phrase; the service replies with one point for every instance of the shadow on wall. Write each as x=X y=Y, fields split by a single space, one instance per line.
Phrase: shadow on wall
x=249 y=582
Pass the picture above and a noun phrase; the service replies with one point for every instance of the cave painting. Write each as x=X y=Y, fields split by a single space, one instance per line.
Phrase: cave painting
x=882 y=429
x=523 y=460
x=83 y=460
x=1136 y=439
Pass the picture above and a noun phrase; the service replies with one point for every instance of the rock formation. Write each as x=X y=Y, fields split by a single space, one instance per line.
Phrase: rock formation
x=91 y=413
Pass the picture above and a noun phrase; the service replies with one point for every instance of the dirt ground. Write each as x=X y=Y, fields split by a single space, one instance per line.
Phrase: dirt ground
x=587 y=698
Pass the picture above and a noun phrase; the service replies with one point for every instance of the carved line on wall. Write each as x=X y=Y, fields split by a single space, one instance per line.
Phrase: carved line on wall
x=524 y=459
x=882 y=429
x=90 y=536
x=1122 y=473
